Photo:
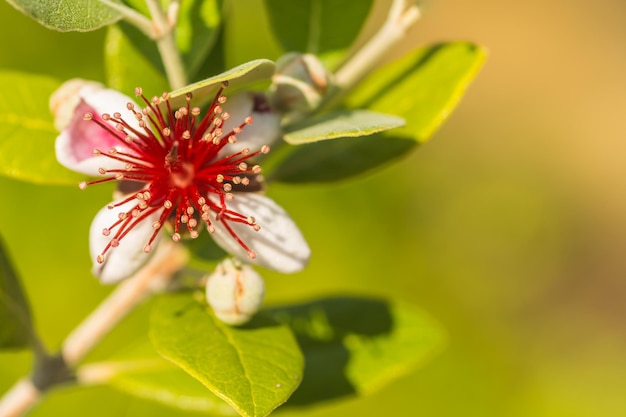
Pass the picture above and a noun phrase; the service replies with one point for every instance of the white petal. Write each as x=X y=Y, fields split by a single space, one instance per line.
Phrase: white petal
x=279 y=245
x=78 y=137
x=122 y=261
x=264 y=130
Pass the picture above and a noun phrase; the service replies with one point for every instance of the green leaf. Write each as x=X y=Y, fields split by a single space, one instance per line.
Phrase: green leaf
x=196 y=31
x=156 y=379
x=134 y=367
x=357 y=345
x=339 y=159
x=27 y=132
x=242 y=21
x=131 y=60
x=422 y=87
x=325 y=28
x=341 y=124
x=17 y=328
x=248 y=73
x=69 y=15
x=253 y=368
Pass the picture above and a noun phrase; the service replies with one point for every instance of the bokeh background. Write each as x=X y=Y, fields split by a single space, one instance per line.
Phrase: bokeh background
x=508 y=227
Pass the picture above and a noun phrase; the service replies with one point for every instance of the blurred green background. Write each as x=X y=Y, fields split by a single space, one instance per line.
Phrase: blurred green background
x=508 y=227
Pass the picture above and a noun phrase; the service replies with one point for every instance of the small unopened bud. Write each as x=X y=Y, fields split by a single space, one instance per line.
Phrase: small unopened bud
x=299 y=83
x=235 y=292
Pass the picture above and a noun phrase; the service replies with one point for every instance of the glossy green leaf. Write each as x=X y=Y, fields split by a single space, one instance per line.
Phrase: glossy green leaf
x=248 y=73
x=69 y=15
x=357 y=345
x=16 y=329
x=423 y=87
x=339 y=159
x=157 y=379
x=27 y=132
x=325 y=28
x=341 y=124
x=254 y=368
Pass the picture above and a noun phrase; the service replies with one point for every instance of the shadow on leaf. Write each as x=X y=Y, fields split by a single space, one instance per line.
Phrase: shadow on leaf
x=335 y=160
x=347 y=342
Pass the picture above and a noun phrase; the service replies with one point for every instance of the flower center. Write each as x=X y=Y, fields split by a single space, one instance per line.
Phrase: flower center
x=181 y=160
x=181 y=173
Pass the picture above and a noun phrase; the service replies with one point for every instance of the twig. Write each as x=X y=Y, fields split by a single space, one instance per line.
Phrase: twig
x=166 y=45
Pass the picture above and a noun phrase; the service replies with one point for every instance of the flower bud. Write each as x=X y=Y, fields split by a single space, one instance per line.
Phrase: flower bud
x=299 y=83
x=235 y=292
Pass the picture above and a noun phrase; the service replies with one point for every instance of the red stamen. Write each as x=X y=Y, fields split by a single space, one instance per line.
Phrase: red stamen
x=176 y=154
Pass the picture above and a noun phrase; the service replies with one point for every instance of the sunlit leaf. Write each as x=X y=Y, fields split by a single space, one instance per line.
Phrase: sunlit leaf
x=356 y=345
x=253 y=368
x=157 y=379
x=422 y=87
x=339 y=159
x=69 y=15
x=15 y=317
x=326 y=28
x=27 y=132
x=341 y=124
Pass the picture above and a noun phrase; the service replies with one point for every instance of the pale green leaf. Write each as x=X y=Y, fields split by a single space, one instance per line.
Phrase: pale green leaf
x=354 y=346
x=423 y=87
x=339 y=159
x=325 y=28
x=254 y=368
x=244 y=74
x=27 y=132
x=341 y=124
x=16 y=323
x=69 y=15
